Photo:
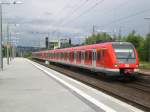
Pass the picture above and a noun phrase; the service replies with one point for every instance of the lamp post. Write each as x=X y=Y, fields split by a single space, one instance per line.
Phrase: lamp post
x=1 y=30
x=1 y=47
x=8 y=45
x=14 y=45
x=11 y=40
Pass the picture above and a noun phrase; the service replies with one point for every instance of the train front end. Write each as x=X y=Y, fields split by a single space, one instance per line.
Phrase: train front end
x=125 y=58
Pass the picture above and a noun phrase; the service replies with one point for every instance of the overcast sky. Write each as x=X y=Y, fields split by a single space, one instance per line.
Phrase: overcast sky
x=74 y=18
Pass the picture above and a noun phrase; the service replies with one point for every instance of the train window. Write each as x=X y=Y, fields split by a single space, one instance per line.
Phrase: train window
x=53 y=55
x=79 y=55
x=48 y=54
x=82 y=55
x=56 y=55
x=65 y=55
x=75 y=54
x=98 y=55
x=90 y=55
x=103 y=53
x=124 y=51
x=72 y=55
x=86 y=55
x=61 y=55
x=69 y=55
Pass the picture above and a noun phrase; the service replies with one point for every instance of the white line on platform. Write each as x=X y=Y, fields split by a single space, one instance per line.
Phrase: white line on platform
x=134 y=109
x=86 y=96
x=76 y=90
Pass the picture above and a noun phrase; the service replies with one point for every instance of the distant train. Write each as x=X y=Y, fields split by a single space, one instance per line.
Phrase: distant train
x=112 y=58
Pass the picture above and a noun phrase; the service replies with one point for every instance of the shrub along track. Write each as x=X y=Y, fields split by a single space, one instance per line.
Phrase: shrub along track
x=136 y=93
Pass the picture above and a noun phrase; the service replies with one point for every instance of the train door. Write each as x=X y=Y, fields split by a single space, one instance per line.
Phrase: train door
x=104 y=57
x=94 y=57
x=82 y=57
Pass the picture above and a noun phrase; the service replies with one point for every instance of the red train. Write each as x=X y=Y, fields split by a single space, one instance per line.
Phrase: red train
x=112 y=58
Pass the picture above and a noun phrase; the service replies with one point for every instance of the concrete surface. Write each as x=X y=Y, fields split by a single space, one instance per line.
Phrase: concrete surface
x=94 y=98
x=24 y=88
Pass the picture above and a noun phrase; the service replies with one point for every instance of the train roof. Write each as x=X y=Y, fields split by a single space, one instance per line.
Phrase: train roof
x=87 y=46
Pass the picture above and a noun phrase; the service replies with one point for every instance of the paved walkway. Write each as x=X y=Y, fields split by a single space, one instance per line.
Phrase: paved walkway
x=24 y=88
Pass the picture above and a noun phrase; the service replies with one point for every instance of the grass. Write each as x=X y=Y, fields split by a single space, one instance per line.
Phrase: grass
x=144 y=65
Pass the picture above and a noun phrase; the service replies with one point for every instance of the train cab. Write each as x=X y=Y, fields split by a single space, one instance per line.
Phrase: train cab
x=126 y=58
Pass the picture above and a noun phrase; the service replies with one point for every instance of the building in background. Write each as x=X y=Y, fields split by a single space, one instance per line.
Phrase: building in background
x=57 y=44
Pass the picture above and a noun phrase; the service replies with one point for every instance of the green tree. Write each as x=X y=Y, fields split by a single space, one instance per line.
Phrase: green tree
x=98 y=37
x=137 y=41
x=146 y=48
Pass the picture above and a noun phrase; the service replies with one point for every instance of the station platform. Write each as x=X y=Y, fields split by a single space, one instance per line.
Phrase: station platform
x=26 y=86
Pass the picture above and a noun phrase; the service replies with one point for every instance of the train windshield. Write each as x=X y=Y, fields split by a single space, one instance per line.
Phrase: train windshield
x=124 y=51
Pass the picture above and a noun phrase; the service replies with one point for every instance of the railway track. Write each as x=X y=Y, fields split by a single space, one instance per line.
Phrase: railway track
x=136 y=93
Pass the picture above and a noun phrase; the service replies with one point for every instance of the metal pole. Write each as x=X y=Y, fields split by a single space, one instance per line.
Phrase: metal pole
x=1 y=38
x=148 y=18
x=7 y=43
x=10 y=46
x=13 y=51
x=149 y=42
x=93 y=29
x=149 y=51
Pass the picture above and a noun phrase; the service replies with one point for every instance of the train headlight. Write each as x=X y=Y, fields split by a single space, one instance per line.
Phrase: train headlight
x=137 y=66
x=116 y=65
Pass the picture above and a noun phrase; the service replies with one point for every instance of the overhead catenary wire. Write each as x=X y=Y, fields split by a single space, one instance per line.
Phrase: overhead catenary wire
x=78 y=8
x=72 y=12
x=86 y=11
x=63 y=8
x=127 y=17
x=117 y=20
